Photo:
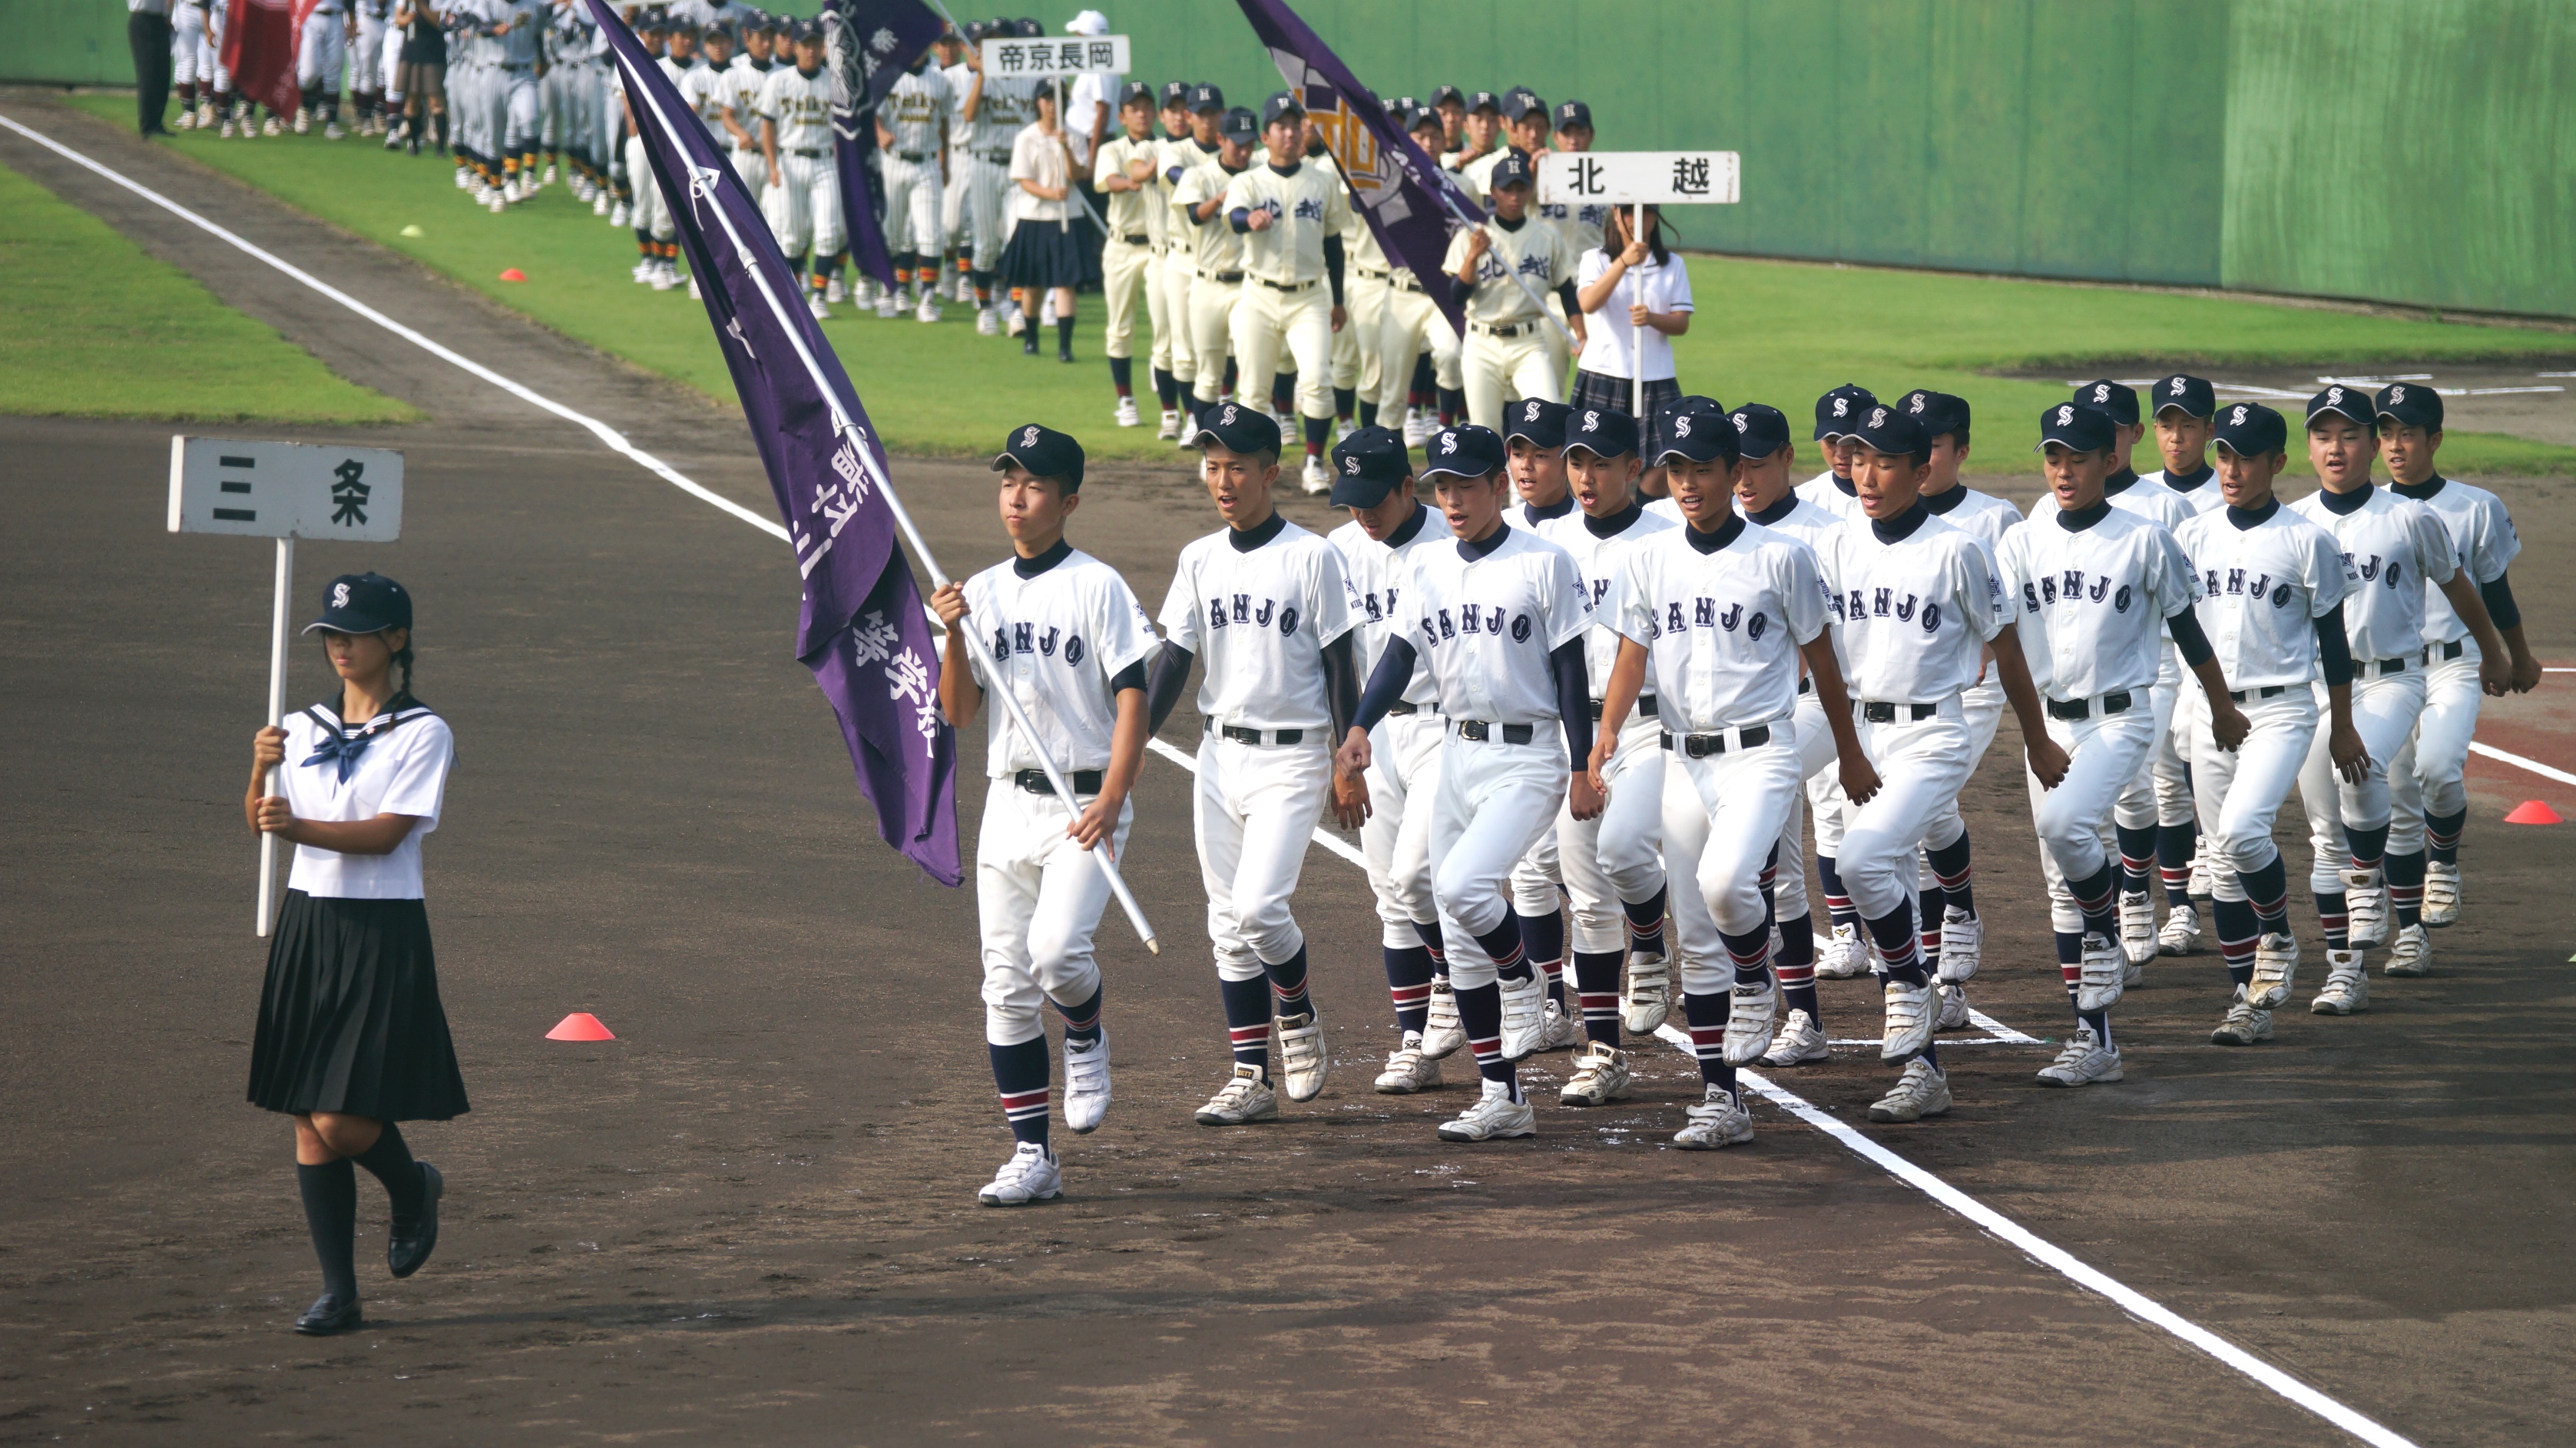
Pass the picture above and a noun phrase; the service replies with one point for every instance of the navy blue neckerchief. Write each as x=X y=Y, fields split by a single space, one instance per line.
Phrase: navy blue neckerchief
x=340 y=742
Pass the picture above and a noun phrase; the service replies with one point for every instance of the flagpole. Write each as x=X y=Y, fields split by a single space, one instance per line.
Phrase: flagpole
x=903 y=518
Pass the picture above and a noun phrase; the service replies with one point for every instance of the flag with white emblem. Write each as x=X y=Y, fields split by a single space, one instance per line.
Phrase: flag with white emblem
x=867 y=44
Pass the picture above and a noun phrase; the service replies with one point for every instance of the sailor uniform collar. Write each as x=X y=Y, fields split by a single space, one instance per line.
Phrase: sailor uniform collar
x=339 y=743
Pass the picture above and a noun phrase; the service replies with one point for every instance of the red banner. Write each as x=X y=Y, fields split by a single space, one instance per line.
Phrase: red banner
x=259 y=49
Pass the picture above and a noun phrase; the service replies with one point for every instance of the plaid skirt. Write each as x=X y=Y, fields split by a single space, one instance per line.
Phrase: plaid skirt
x=1612 y=394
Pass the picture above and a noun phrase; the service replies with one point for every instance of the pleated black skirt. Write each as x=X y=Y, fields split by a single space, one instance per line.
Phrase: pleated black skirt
x=349 y=1019
x=1043 y=254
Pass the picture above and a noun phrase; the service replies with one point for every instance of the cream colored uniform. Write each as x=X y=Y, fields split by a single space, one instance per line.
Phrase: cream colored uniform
x=1001 y=111
x=805 y=207
x=1131 y=258
x=1410 y=324
x=1507 y=354
x=1216 y=282
x=1287 y=299
x=1178 y=266
x=743 y=96
x=960 y=131
x=1355 y=345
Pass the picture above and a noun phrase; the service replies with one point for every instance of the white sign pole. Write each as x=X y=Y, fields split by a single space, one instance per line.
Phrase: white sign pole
x=276 y=716
x=1637 y=334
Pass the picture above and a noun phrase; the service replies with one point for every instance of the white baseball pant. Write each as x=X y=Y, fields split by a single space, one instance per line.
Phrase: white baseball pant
x=1495 y=799
x=1538 y=880
x=1498 y=368
x=521 y=134
x=558 y=116
x=1922 y=765
x=1255 y=808
x=2239 y=792
x=322 y=53
x=2385 y=708
x=367 y=56
x=1174 y=348
x=1982 y=705
x=988 y=188
x=652 y=209
x=805 y=207
x=952 y=202
x=1268 y=321
x=1346 y=343
x=1411 y=325
x=1364 y=301
x=1126 y=271
x=1403 y=779
x=1038 y=898
x=187 y=42
x=1211 y=334
x=1817 y=758
x=1720 y=817
x=1612 y=859
x=388 y=62
x=2430 y=775
x=753 y=168
x=911 y=205
x=2143 y=803
x=2104 y=755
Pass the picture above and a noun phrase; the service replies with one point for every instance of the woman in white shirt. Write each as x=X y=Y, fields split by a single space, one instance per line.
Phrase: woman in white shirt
x=351 y=1036
x=1640 y=292
x=1046 y=249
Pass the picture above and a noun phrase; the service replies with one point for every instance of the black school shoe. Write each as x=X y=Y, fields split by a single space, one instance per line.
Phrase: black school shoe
x=408 y=1244
x=329 y=1316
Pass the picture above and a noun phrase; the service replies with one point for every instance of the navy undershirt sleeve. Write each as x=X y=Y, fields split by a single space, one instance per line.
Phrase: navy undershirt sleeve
x=2500 y=604
x=2334 y=651
x=1130 y=677
x=1573 y=698
x=1341 y=686
x=1333 y=266
x=1171 y=680
x=2185 y=628
x=1386 y=684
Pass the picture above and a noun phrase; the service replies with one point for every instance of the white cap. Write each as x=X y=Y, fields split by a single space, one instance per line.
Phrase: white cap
x=1089 y=22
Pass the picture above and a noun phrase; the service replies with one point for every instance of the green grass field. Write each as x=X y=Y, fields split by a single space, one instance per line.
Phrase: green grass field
x=1766 y=331
x=92 y=327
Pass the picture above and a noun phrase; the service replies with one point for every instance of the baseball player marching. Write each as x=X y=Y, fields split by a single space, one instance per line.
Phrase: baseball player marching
x=1128 y=170
x=1505 y=354
x=2185 y=411
x=803 y=197
x=1291 y=215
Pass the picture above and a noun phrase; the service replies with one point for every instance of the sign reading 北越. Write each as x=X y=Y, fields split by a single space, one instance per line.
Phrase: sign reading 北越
x=285 y=490
x=1638 y=178
x=1046 y=58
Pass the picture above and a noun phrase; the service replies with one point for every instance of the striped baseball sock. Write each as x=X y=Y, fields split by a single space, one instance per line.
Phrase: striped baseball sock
x=1706 y=1016
x=1408 y=984
x=2405 y=877
x=1927 y=926
x=2173 y=862
x=1543 y=937
x=1429 y=930
x=1081 y=1020
x=1502 y=946
x=1247 y=1020
x=2268 y=890
x=2442 y=834
x=2238 y=933
x=2098 y=897
x=1796 y=966
x=2334 y=916
x=1645 y=922
x=1838 y=905
x=2368 y=848
x=2137 y=857
x=1288 y=985
x=1894 y=933
x=1020 y=1074
x=1596 y=991
x=1955 y=875
x=1480 y=1014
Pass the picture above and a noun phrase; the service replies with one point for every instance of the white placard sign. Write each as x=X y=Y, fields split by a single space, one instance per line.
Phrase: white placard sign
x=285 y=490
x=1639 y=178
x=1047 y=58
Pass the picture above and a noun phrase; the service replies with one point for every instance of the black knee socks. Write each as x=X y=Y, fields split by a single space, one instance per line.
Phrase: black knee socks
x=330 y=1193
x=1064 y=338
x=389 y=1161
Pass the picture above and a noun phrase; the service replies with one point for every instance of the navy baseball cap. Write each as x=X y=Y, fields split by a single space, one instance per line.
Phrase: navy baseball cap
x=1442 y=95
x=1464 y=451
x=689 y=28
x=1512 y=170
x=1030 y=29
x=1231 y=425
x=1238 y=125
x=1281 y=105
x=1599 y=430
x=653 y=22
x=1520 y=103
x=1485 y=101
x=362 y=603
x=2079 y=425
x=1884 y=429
x=2413 y=405
x=1760 y=430
x=1423 y=116
x=1536 y=418
x=1176 y=93
x=1695 y=433
x=1837 y=410
x=1940 y=412
x=1045 y=452
x=2249 y=429
x=1368 y=465
x=2192 y=395
x=1136 y=90
x=1206 y=98
x=2117 y=399
x=2353 y=404
x=1573 y=113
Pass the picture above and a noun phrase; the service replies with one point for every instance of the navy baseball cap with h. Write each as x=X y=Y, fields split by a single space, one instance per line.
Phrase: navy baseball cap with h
x=1760 y=431
x=1839 y=409
x=2410 y=405
x=1176 y=93
x=1465 y=451
x=362 y=603
x=2077 y=425
x=1044 y=452
x=1280 y=106
x=1238 y=124
x=1539 y=420
x=1512 y=170
x=2116 y=398
x=1206 y=98
x=2352 y=404
x=2184 y=393
x=2251 y=430
x=1368 y=465
x=1600 y=431
x=1573 y=113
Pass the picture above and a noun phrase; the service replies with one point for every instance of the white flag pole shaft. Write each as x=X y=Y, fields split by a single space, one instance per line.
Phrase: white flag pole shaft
x=1637 y=334
x=841 y=424
x=276 y=715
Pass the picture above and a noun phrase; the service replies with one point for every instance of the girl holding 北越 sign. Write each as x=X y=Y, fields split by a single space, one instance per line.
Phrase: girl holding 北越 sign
x=1641 y=293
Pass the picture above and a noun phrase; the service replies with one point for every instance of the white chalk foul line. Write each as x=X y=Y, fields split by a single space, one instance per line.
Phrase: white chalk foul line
x=2518 y=762
x=2054 y=1258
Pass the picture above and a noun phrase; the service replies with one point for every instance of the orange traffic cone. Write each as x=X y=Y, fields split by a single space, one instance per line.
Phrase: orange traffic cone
x=514 y=275
x=2532 y=812
x=580 y=1026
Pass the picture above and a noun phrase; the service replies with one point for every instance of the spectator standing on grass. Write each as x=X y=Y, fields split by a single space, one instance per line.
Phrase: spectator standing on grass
x=147 y=33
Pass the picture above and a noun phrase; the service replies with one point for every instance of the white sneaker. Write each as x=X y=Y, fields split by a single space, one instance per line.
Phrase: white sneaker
x=1953 y=1010
x=928 y=310
x=551 y=173
x=814 y=304
x=1441 y=1033
x=2441 y=894
x=1247 y=1097
x=601 y=203
x=1319 y=478
x=1417 y=428
x=2244 y=1025
x=332 y=132
x=1171 y=427
x=1303 y=1061
x=1649 y=997
x=1086 y=1085
x=1963 y=945
x=270 y=126
x=2276 y=962
x=835 y=290
x=303 y=122
x=1910 y=1017
x=1014 y=321
x=1800 y=1041
x=1843 y=956
x=498 y=201
x=643 y=271
x=1600 y=1077
x=1343 y=427
x=1920 y=1092
x=986 y=324
x=861 y=289
x=1748 y=1021
x=889 y=307
x=1408 y=1070
x=620 y=215
x=2200 y=885
x=1046 y=311
x=1718 y=1120
x=665 y=277
x=1029 y=1176
x=1127 y=415
x=2347 y=986
x=1524 y=1016
x=1562 y=1031
x=1494 y=1117
x=2104 y=975
x=2365 y=909
x=227 y=132
x=2181 y=933
x=2412 y=954
x=2137 y=928
x=2084 y=1062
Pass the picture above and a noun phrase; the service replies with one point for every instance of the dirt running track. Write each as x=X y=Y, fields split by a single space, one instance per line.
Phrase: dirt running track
x=752 y=1217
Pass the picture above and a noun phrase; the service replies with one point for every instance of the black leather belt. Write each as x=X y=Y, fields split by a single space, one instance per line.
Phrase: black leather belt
x=2269 y=692
x=1806 y=686
x=1233 y=276
x=1255 y=736
x=1085 y=781
x=1645 y=708
x=999 y=158
x=1517 y=329
x=2435 y=652
x=1701 y=746
x=1405 y=283
x=1370 y=274
x=1289 y=286
x=1875 y=713
x=915 y=157
x=808 y=155
x=2114 y=702
x=1482 y=731
x=1137 y=238
x=1401 y=708
x=2387 y=666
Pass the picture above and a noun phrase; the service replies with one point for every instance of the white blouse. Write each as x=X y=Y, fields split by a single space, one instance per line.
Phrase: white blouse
x=400 y=768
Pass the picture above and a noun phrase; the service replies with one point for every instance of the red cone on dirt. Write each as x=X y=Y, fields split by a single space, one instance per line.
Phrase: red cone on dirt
x=514 y=275
x=580 y=1026
x=2532 y=812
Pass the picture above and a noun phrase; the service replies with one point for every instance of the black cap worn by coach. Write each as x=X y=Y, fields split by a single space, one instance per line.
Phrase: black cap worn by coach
x=1760 y=431
x=2116 y=398
x=2077 y=425
x=362 y=603
x=2410 y=405
x=1206 y=98
x=1837 y=410
x=1231 y=425
x=2184 y=393
x=1600 y=431
x=1465 y=451
x=1536 y=418
x=2251 y=430
x=2352 y=404
x=1695 y=434
x=1942 y=414
x=1280 y=106
x=1573 y=113
x=1239 y=124
x=1368 y=465
x=1044 y=452
x=1882 y=429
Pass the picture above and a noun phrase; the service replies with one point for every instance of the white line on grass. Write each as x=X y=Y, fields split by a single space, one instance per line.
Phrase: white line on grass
x=2052 y=1257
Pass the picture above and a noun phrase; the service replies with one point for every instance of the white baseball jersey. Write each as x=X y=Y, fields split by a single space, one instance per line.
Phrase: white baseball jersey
x=1721 y=625
x=2199 y=491
x=2261 y=590
x=1913 y=613
x=801 y=105
x=1055 y=639
x=401 y=770
x=1376 y=576
x=2148 y=497
x=1599 y=561
x=1258 y=621
x=960 y=78
x=1006 y=107
x=1796 y=517
x=915 y=112
x=709 y=92
x=2482 y=538
x=1487 y=621
x=1983 y=514
x=1305 y=205
x=2102 y=594
x=2395 y=551
x=1534 y=249
x=1831 y=494
x=745 y=78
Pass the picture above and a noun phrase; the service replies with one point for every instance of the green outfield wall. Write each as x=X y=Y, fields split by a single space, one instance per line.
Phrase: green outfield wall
x=2413 y=151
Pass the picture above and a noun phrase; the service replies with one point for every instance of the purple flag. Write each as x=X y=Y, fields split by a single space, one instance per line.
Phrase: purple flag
x=869 y=43
x=1407 y=199
x=862 y=632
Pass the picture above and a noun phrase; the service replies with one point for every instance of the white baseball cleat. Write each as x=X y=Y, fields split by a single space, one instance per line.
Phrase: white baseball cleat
x=2181 y=933
x=1494 y=1117
x=2102 y=977
x=1086 y=1085
x=2084 y=1062
x=1719 y=1120
x=1127 y=415
x=270 y=126
x=1441 y=1033
x=1600 y=1077
x=2200 y=870
x=1171 y=427
x=644 y=270
x=1748 y=1021
x=1524 y=1016
x=986 y=324
x=1562 y=1032
x=1910 y=1015
x=1014 y=321
x=332 y=131
x=2365 y=909
x=620 y=214
x=1649 y=997
x=665 y=277
x=1247 y=1097
x=2276 y=962
x=499 y=202
x=1408 y=1070
x=1303 y=1061
x=862 y=290
x=2137 y=928
x=928 y=310
x=1800 y=1041
x=2412 y=954
x=1843 y=956
x=2441 y=894
x=834 y=290
x=815 y=305
x=1920 y=1092
x=601 y=203
x=889 y=307
x=1343 y=427
x=1319 y=478
x=227 y=132
x=303 y=122
x=551 y=174
x=2347 y=987
x=1963 y=945
x=1953 y=1006
x=2243 y=1026
x=1029 y=1176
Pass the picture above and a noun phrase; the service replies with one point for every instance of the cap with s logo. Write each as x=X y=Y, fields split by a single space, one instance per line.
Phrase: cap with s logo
x=1368 y=465
x=2249 y=429
x=2116 y=398
x=1466 y=451
x=1237 y=429
x=362 y=603
x=2080 y=426
x=1836 y=410
x=1601 y=431
x=1883 y=429
x=1537 y=419
x=2192 y=396
x=1760 y=430
x=1941 y=413
x=1045 y=452
x=2410 y=404
x=2352 y=404
x=1695 y=430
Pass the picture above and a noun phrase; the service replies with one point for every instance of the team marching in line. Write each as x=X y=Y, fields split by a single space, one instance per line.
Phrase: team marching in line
x=1584 y=706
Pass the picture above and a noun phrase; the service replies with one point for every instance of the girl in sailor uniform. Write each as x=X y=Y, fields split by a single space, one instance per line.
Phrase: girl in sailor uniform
x=351 y=1036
